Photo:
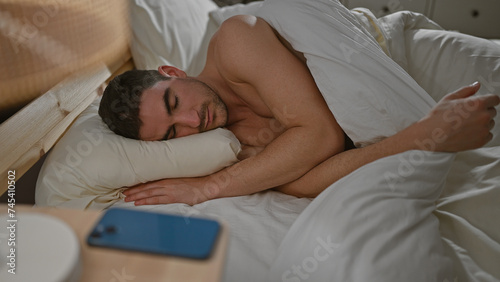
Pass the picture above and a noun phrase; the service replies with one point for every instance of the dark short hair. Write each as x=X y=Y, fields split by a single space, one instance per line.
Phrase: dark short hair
x=119 y=107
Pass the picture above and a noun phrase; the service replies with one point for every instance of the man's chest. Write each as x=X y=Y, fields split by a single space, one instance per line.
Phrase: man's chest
x=255 y=124
x=257 y=131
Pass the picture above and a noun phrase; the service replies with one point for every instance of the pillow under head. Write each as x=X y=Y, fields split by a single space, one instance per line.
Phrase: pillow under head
x=88 y=167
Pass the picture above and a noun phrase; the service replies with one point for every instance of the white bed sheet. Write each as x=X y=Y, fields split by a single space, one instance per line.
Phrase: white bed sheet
x=257 y=225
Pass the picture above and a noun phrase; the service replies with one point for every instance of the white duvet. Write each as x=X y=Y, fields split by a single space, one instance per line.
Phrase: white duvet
x=416 y=216
x=412 y=217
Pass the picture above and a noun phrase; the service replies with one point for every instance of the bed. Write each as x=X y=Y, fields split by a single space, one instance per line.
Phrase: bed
x=410 y=217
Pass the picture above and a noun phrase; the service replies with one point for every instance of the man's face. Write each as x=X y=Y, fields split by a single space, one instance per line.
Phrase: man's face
x=179 y=107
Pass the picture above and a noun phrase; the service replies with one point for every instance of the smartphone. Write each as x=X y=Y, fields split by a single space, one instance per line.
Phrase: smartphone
x=156 y=233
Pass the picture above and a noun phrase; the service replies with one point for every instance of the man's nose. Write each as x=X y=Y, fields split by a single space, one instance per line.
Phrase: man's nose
x=189 y=118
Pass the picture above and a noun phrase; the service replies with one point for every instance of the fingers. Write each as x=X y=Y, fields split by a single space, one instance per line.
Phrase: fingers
x=490 y=137
x=491 y=100
x=166 y=191
x=142 y=187
x=153 y=201
x=491 y=124
x=486 y=112
x=135 y=189
x=139 y=191
x=492 y=112
x=145 y=195
x=467 y=119
x=464 y=92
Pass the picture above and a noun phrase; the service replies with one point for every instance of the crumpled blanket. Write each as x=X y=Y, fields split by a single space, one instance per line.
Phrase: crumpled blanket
x=360 y=63
x=370 y=95
x=415 y=216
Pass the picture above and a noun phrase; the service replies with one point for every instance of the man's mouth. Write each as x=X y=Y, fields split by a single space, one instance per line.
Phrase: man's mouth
x=207 y=119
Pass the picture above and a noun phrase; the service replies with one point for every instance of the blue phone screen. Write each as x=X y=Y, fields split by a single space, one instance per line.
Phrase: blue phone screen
x=157 y=233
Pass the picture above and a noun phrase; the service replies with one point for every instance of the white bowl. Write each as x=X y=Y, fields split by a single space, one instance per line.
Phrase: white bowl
x=46 y=249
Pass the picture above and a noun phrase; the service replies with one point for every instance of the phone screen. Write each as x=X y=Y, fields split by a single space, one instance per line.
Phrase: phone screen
x=157 y=233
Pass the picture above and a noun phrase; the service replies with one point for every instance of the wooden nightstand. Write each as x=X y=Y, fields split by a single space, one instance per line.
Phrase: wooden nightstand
x=100 y=264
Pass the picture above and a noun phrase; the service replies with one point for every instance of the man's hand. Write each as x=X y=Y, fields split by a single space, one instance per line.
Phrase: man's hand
x=190 y=191
x=461 y=121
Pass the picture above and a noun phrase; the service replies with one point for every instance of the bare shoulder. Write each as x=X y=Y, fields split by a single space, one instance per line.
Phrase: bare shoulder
x=242 y=26
x=242 y=43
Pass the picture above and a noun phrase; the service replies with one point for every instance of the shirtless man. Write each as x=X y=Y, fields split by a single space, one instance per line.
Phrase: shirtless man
x=253 y=82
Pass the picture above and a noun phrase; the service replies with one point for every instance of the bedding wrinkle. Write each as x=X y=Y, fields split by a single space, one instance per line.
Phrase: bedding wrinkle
x=335 y=52
x=367 y=18
x=375 y=226
x=477 y=251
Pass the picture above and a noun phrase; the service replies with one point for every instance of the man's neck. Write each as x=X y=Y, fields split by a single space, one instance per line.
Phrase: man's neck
x=236 y=107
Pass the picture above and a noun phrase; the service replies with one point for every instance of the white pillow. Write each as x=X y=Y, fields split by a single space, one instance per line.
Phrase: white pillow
x=89 y=163
x=222 y=14
x=169 y=32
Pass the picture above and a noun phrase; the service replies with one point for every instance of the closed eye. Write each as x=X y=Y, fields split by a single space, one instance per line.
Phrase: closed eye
x=166 y=99
x=171 y=132
x=176 y=103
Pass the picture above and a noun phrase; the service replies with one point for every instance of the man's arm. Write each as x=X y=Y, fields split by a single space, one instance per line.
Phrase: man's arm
x=448 y=128
x=312 y=136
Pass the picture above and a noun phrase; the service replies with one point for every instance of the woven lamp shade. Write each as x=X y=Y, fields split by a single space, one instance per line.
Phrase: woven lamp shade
x=42 y=42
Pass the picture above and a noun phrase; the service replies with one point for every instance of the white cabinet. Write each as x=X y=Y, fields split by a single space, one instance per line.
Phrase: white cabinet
x=476 y=17
x=479 y=17
x=381 y=8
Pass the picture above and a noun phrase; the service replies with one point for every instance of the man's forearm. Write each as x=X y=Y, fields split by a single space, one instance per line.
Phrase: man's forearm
x=282 y=161
x=458 y=122
x=320 y=177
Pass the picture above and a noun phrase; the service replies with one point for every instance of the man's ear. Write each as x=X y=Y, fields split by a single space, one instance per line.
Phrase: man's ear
x=171 y=71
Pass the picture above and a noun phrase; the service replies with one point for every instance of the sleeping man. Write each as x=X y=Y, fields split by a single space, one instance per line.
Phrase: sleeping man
x=259 y=88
